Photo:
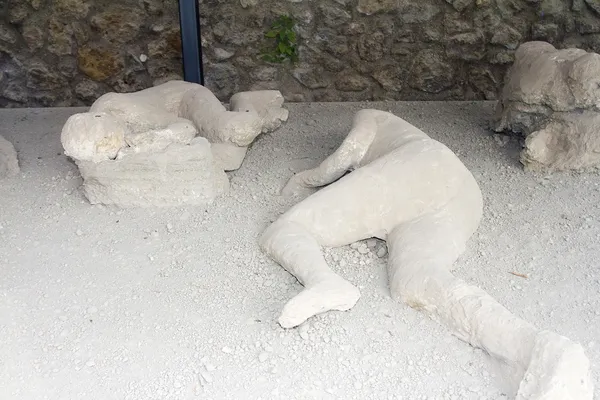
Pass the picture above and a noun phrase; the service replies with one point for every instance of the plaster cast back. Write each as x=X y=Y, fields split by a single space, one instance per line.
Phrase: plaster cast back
x=166 y=97
x=139 y=113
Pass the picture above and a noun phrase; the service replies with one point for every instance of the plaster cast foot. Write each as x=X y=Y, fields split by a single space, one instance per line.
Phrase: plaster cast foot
x=332 y=294
x=558 y=370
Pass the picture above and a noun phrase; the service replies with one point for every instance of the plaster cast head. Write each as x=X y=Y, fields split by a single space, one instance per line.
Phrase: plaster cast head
x=93 y=136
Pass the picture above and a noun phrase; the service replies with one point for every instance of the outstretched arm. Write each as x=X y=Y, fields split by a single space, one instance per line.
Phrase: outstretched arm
x=345 y=158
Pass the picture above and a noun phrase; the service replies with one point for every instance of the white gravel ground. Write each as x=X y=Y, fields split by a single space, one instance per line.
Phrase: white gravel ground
x=99 y=303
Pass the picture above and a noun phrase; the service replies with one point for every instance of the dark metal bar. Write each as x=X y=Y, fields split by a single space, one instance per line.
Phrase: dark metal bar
x=191 y=42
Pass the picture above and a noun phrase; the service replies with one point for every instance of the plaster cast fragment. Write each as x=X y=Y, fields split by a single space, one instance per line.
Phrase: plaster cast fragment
x=552 y=98
x=267 y=103
x=93 y=136
x=180 y=174
x=9 y=163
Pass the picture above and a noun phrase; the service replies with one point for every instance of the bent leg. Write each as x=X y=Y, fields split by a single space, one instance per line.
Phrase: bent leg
x=290 y=245
x=421 y=253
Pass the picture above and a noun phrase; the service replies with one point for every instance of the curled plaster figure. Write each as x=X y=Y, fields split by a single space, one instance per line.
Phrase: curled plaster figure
x=416 y=194
x=118 y=124
x=167 y=145
x=551 y=97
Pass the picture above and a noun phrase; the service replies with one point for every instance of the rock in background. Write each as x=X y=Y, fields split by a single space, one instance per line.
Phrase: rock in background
x=9 y=164
x=69 y=52
x=552 y=98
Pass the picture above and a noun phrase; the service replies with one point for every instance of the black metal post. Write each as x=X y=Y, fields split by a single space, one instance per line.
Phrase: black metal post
x=191 y=42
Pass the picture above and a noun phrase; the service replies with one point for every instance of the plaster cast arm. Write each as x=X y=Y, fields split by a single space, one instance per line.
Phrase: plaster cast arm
x=345 y=158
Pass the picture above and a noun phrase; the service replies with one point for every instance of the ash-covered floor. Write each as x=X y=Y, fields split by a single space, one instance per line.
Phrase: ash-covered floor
x=180 y=303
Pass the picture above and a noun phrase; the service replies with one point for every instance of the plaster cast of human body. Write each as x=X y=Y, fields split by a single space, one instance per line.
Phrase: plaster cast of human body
x=119 y=124
x=414 y=193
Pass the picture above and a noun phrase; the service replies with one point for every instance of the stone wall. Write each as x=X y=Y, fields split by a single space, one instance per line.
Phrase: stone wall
x=68 y=52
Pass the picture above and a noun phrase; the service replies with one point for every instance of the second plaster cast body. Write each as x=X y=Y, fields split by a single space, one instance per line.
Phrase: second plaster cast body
x=416 y=194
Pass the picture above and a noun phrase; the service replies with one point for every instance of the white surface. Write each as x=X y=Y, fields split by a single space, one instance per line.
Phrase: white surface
x=180 y=303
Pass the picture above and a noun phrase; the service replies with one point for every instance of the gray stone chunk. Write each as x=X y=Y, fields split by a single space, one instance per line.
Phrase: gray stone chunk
x=178 y=175
x=9 y=164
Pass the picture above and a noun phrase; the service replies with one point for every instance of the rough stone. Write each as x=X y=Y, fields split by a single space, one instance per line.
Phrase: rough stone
x=118 y=24
x=351 y=82
x=17 y=12
x=167 y=45
x=390 y=77
x=333 y=16
x=455 y=23
x=88 y=90
x=506 y=36
x=332 y=43
x=15 y=91
x=60 y=37
x=430 y=72
x=411 y=12
x=9 y=163
x=98 y=62
x=72 y=8
x=312 y=79
x=109 y=41
x=552 y=97
x=369 y=7
x=460 y=5
x=178 y=175
x=594 y=5
x=222 y=79
x=39 y=76
x=33 y=34
x=222 y=54
x=468 y=46
x=548 y=32
x=484 y=82
x=371 y=47
x=7 y=33
x=264 y=74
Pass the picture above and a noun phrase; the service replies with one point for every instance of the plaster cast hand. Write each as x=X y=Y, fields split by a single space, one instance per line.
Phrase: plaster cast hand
x=295 y=187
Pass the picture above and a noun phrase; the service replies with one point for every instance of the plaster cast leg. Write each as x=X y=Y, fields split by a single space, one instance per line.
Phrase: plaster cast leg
x=421 y=253
x=290 y=245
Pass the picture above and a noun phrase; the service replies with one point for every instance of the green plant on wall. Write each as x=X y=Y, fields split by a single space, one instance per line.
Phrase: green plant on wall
x=282 y=31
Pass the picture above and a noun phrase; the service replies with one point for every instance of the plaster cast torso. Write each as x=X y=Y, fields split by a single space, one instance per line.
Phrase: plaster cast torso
x=399 y=174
